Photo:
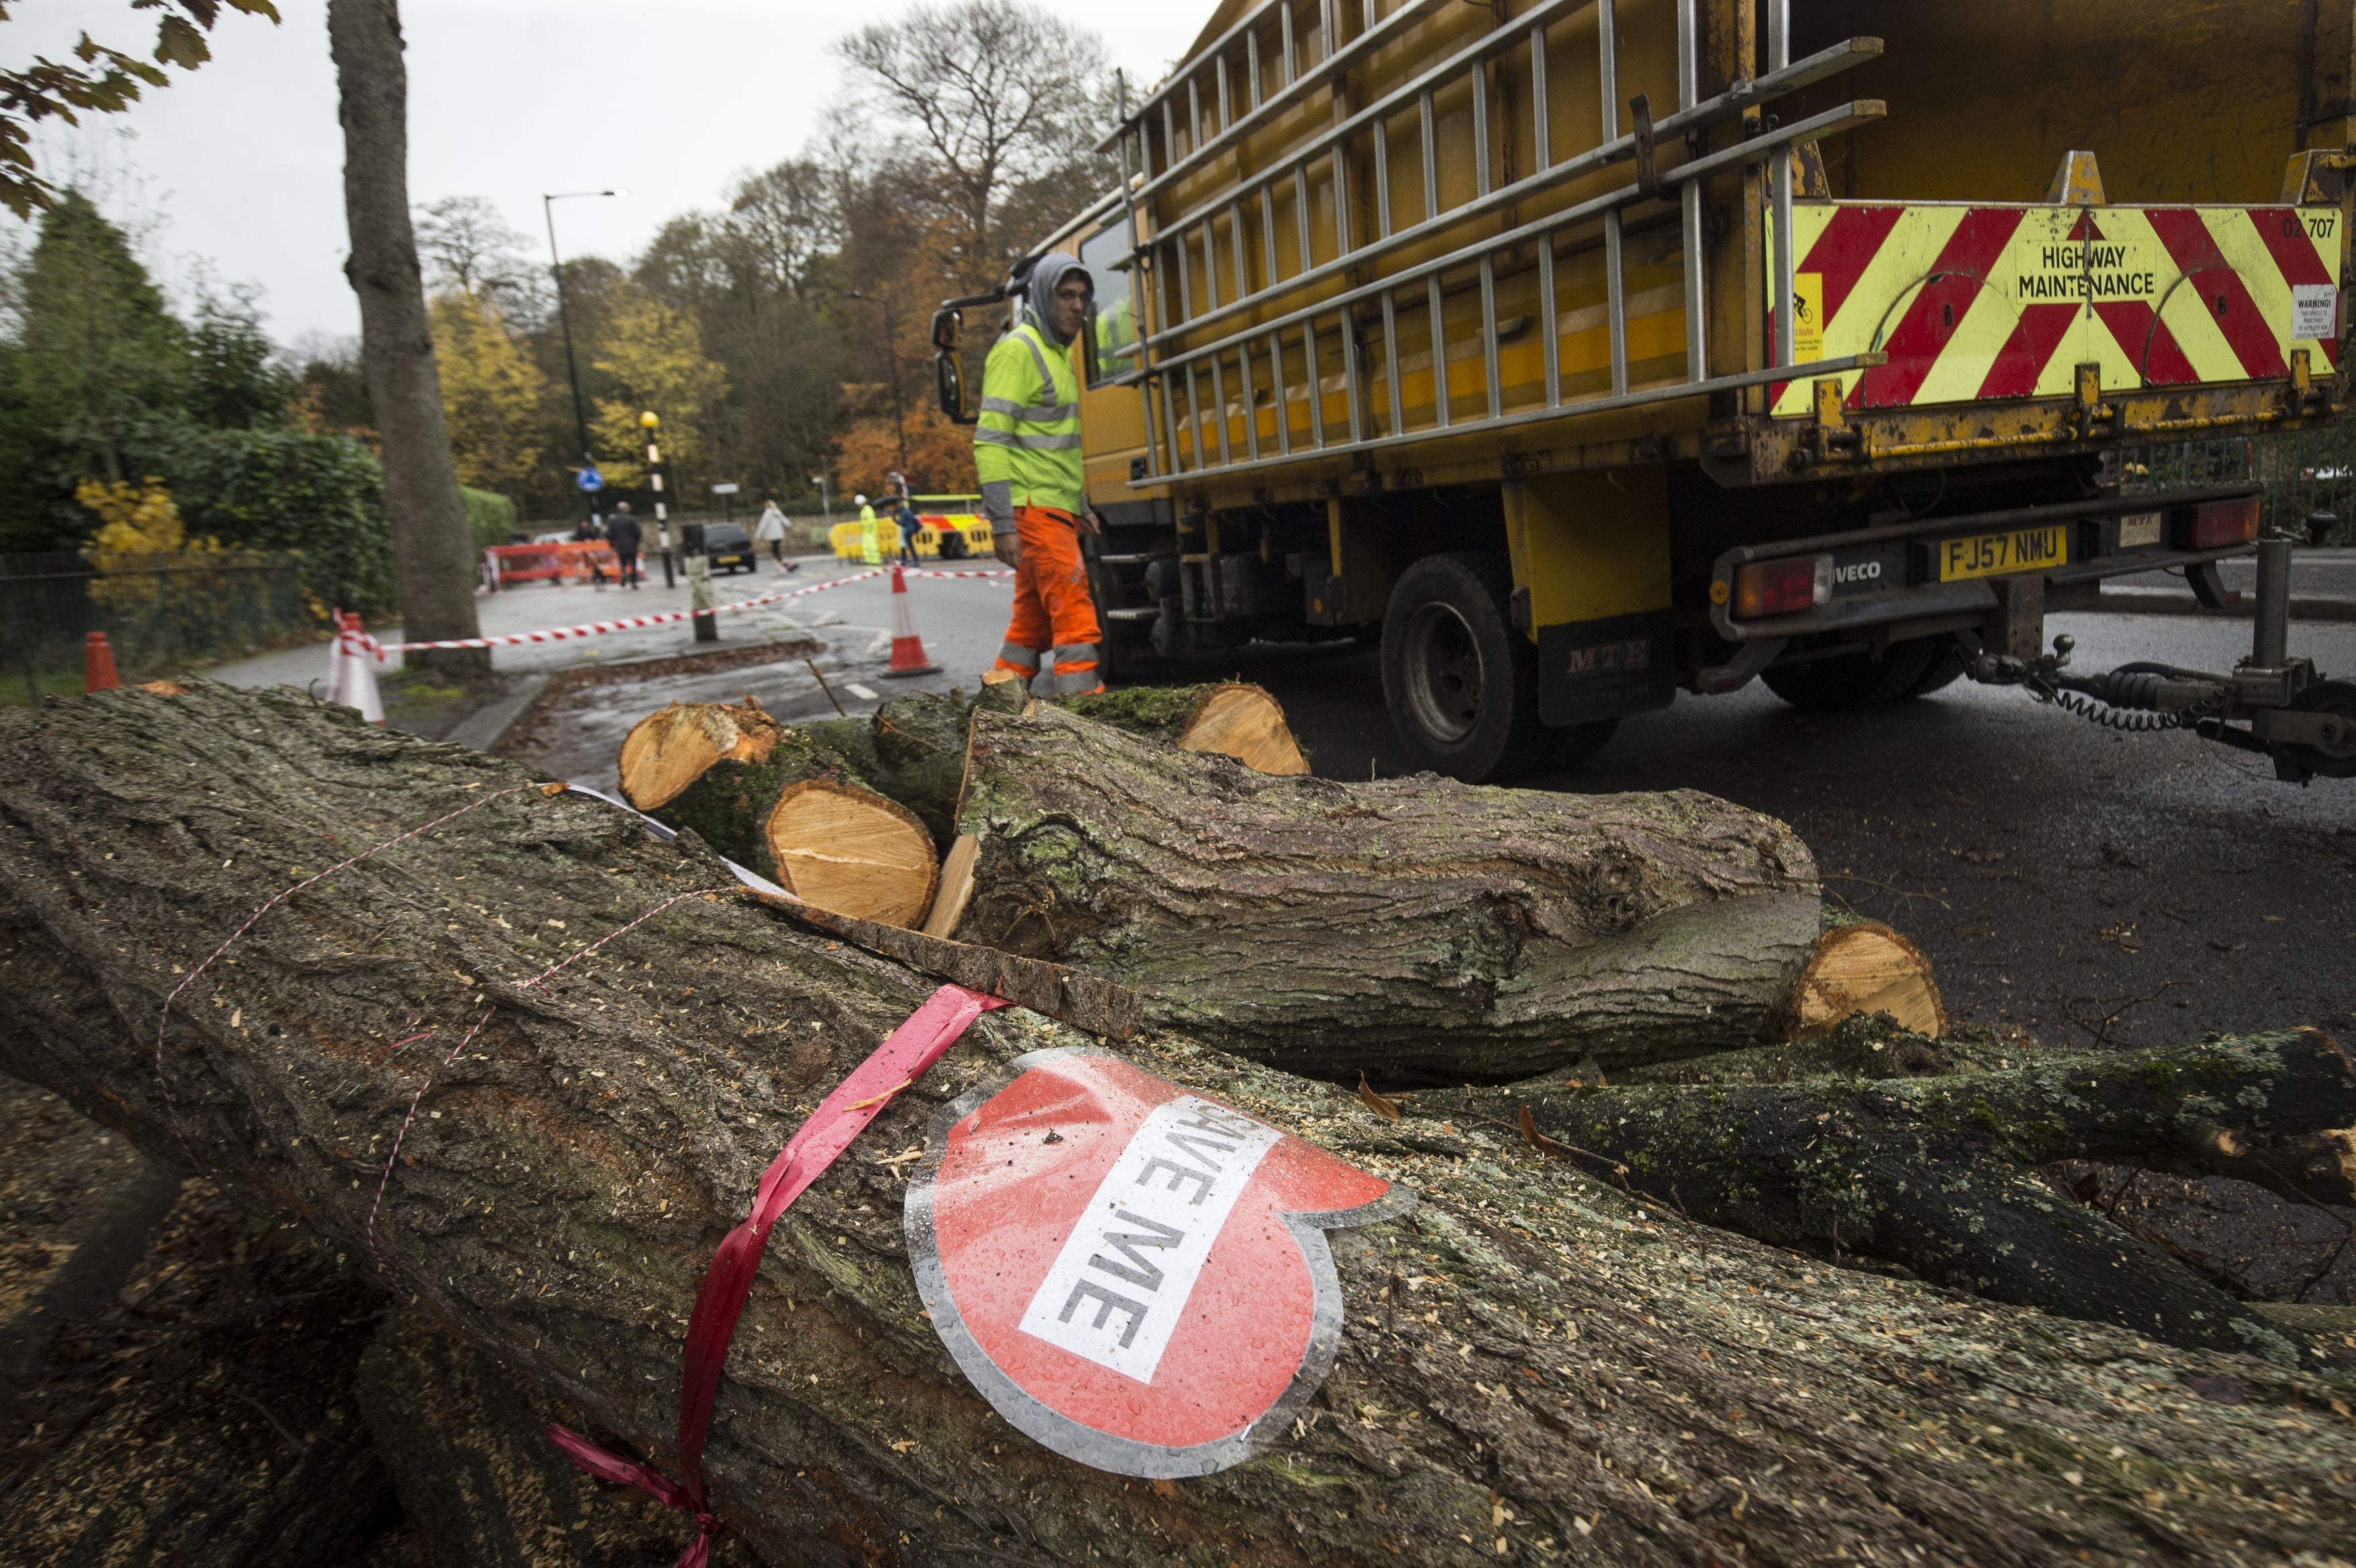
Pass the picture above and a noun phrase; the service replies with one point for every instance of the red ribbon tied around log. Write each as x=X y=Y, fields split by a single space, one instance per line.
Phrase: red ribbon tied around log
x=858 y=1100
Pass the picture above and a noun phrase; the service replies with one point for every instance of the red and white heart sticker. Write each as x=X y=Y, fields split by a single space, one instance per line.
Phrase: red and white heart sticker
x=1132 y=1273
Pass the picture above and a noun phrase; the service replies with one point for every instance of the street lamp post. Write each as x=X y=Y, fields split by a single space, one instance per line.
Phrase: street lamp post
x=825 y=498
x=892 y=364
x=564 y=321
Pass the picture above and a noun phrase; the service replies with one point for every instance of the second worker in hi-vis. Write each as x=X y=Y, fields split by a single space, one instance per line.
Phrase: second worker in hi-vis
x=1026 y=450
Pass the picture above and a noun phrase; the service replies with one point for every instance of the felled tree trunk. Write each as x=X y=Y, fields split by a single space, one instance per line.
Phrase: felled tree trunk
x=1414 y=928
x=1869 y=1146
x=1528 y=1357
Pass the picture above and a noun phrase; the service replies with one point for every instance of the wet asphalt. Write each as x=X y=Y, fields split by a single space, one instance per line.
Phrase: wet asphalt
x=2091 y=886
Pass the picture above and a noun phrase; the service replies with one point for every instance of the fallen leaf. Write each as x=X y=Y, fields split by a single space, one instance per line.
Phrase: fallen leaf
x=1538 y=1140
x=2227 y=946
x=1386 y=1109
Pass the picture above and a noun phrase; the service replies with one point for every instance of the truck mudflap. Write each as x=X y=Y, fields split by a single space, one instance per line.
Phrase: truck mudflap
x=1991 y=303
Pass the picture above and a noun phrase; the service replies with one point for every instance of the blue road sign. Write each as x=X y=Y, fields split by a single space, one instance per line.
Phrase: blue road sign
x=590 y=479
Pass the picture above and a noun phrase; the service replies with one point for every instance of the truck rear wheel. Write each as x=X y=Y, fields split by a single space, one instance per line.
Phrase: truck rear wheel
x=1861 y=680
x=1460 y=683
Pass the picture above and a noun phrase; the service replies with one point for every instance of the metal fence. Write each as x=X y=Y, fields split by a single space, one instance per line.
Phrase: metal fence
x=160 y=612
x=2304 y=471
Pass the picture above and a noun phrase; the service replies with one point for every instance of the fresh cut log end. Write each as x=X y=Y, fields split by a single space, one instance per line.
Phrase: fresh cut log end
x=852 y=851
x=1246 y=723
x=1864 y=968
x=671 y=747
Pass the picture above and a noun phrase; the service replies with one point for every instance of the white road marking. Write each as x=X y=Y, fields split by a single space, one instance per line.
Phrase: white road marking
x=860 y=692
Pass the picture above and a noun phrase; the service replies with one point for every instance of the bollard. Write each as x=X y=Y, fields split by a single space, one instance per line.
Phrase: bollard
x=98 y=665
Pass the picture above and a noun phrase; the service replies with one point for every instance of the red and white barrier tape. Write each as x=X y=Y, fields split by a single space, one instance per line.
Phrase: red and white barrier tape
x=661 y=618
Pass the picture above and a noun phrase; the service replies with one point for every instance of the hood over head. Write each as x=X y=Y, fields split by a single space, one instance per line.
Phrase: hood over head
x=1039 y=293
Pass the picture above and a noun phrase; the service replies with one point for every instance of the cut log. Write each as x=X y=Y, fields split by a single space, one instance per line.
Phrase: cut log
x=674 y=746
x=956 y=890
x=1514 y=1356
x=1413 y=929
x=1868 y=968
x=718 y=768
x=850 y=850
x=1232 y=719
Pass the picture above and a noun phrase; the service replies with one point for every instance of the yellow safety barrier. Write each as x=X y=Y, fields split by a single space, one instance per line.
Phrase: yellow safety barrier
x=845 y=537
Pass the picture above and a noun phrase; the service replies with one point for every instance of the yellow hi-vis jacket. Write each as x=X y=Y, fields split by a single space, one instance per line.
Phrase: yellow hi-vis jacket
x=1029 y=432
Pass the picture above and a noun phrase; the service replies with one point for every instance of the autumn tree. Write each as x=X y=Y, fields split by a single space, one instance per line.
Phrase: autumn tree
x=466 y=246
x=493 y=397
x=652 y=356
x=995 y=96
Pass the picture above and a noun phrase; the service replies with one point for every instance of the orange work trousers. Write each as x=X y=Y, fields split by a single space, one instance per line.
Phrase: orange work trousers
x=1053 y=615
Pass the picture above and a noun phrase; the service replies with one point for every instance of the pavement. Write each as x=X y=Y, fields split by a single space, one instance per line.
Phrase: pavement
x=2322 y=587
x=2088 y=884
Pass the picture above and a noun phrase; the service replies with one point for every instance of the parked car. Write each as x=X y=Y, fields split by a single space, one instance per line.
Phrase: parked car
x=728 y=545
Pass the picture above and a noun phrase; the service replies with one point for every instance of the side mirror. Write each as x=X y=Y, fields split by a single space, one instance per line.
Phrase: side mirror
x=949 y=381
x=945 y=330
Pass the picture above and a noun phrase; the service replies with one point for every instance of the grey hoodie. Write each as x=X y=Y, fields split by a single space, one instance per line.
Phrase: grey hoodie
x=1039 y=296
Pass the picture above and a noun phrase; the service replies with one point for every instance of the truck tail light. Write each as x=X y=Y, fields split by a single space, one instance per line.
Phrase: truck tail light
x=2216 y=524
x=1781 y=587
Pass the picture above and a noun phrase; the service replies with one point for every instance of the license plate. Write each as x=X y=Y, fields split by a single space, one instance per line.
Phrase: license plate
x=1992 y=555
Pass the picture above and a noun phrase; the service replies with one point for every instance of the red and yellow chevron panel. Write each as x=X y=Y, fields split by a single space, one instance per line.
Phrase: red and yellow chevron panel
x=1973 y=303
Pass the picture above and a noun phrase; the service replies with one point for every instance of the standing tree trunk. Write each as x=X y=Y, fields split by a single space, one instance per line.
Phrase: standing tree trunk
x=433 y=550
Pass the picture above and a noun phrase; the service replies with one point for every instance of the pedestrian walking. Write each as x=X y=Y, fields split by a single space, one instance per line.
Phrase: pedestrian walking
x=771 y=531
x=1026 y=452
x=909 y=523
x=626 y=533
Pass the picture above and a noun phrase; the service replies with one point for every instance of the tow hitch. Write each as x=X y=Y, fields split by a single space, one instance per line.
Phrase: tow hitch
x=2273 y=703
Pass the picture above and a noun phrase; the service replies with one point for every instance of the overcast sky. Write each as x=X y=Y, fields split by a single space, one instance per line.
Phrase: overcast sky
x=238 y=165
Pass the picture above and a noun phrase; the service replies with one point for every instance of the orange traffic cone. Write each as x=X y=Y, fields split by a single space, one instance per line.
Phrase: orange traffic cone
x=907 y=648
x=98 y=664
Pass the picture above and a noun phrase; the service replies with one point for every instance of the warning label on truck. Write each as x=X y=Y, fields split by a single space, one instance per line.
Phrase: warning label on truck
x=2313 y=307
x=2051 y=269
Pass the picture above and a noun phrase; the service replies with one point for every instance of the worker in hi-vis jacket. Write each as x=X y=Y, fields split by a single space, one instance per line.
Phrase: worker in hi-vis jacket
x=1027 y=451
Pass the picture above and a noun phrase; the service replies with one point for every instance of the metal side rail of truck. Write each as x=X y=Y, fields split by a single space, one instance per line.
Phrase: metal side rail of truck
x=1584 y=352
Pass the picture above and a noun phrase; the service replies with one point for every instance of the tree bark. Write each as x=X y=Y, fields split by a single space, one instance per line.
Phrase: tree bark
x=433 y=549
x=1827 y=1150
x=912 y=750
x=1415 y=930
x=1529 y=1356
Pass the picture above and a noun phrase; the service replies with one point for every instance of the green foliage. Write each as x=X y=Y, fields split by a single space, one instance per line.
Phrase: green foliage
x=234 y=382
x=491 y=518
x=103 y=365
x=48 y=89
x=279 y=490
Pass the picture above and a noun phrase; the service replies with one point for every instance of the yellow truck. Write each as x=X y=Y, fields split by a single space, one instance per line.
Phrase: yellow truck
x=1590 y=350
